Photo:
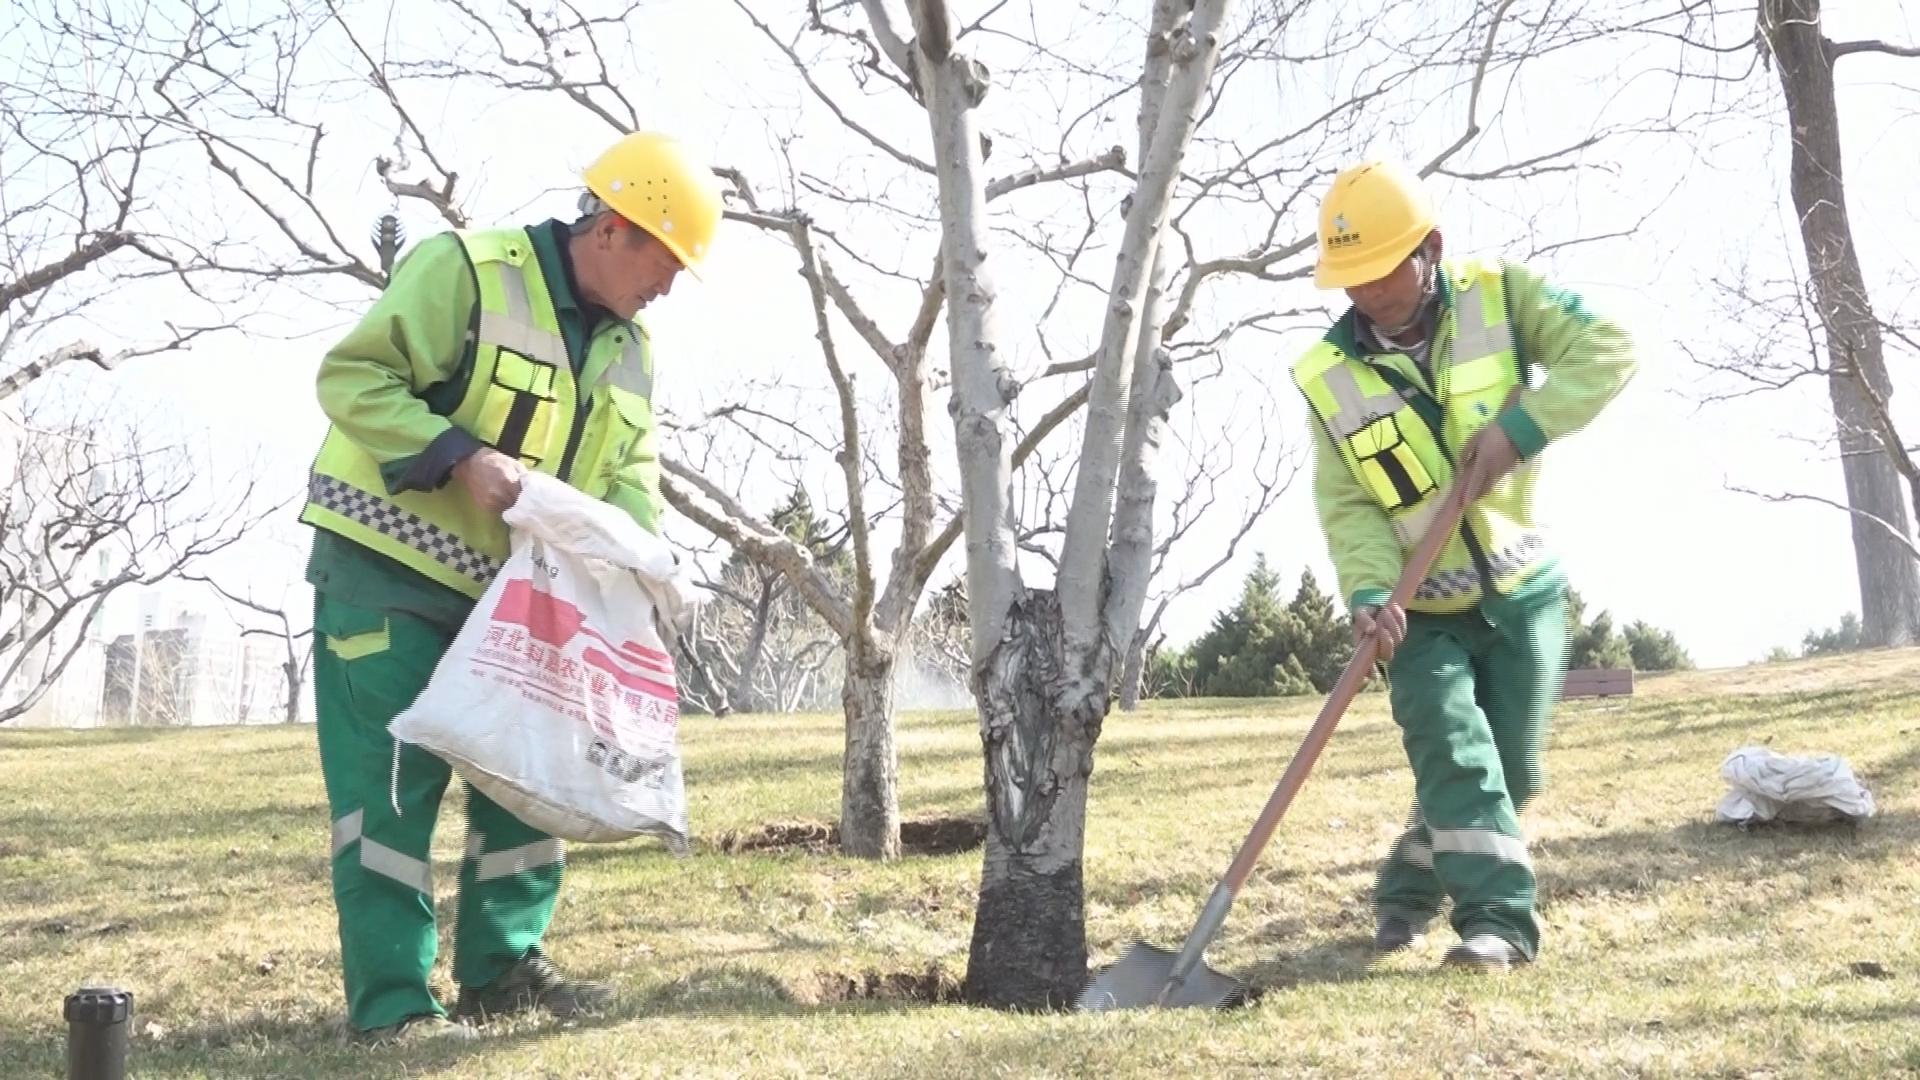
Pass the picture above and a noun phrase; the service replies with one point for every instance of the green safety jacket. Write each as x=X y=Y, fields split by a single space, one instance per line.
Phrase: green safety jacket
x=1387 y=433
x=438 y=376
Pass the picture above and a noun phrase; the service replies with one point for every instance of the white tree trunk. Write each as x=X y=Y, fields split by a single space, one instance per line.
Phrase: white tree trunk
x=1889 y=576
x=982 y=386
x=1041 y=663
x=1151 y=397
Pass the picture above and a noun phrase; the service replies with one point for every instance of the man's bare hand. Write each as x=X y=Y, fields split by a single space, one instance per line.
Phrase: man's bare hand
x=1386 y=626
x=1487 y=457
x=491 y=477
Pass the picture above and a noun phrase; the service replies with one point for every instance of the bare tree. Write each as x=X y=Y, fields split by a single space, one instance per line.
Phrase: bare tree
x=1266 y=477
x=294 y=635
x=92 y=507
x=1858 y=384
x=77 y=220
x=1726 y=46
x=758 y=647
x=95 y=502
x=1042 y=665
x=1787 y=345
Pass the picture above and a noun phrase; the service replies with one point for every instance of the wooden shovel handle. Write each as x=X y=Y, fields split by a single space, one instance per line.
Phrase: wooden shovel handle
x=1424 y=553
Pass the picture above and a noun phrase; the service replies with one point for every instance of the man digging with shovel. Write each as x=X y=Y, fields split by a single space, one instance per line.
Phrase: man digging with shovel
x=1426 y=382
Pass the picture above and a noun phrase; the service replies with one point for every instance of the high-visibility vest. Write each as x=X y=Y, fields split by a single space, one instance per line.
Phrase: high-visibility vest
x=522 y=399
x=1405 y=461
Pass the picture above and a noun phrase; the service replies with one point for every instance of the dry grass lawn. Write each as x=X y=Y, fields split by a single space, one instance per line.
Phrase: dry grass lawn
x=190 y=866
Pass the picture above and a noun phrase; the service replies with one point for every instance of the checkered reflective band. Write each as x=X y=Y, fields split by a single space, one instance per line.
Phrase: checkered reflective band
x=408 y=528
x=1450 y=583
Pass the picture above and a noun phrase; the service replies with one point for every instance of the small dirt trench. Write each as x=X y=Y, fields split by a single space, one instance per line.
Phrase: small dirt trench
x=921 y=836
x=933 y=986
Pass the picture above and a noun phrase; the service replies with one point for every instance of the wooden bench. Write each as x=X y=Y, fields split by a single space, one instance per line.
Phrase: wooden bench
x=1598 y=682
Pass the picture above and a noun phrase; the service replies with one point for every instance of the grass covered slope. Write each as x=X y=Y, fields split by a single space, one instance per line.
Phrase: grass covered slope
x=190 y=867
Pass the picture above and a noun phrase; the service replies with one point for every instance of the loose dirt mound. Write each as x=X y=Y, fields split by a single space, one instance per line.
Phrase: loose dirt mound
x=925 y=836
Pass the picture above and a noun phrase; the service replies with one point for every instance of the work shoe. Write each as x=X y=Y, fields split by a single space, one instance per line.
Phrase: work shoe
x=533 y=983
x=1487 y=954
x=427 y=1027
x=1392 y=935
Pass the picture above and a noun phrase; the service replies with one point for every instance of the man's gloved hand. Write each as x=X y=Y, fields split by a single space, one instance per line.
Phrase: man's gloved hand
x=1385 y=625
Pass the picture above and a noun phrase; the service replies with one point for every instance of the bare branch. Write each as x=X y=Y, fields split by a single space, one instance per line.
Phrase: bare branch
x=849 y=454
x=1112 y=160
x=1905 y=540
x=1848 y=48
x=862 y=323
x=759 y=541
x=83 y=256
x=826 y=99
x=18 y=379
x=890 y=41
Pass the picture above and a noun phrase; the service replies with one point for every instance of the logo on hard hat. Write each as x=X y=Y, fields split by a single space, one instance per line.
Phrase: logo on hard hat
x=1343 y=235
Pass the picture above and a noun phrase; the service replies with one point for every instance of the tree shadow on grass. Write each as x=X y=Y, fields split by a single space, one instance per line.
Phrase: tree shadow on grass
x=1639 y=859
x=320 y=1046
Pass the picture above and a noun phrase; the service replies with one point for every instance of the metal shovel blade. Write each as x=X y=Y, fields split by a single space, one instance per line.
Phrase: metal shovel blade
x=1137 y=980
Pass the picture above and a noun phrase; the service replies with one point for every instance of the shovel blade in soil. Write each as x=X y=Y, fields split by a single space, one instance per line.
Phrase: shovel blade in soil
x=1136 y=982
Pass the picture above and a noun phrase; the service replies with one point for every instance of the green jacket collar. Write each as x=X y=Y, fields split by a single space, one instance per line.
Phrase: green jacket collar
x=551 y=243
x=556 y=265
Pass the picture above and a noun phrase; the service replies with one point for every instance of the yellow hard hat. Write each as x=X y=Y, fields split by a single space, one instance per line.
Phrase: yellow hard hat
x=1376 y=214
x=653 y=181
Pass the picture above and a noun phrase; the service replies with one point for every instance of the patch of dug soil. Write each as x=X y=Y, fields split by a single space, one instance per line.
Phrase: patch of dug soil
x=933 y=986
x=816 y=837
x=942 y=836
x=924 y=836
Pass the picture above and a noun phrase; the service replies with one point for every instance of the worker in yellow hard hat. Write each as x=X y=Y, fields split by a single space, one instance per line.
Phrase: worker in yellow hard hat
x=490 y=354
x=1426 y=381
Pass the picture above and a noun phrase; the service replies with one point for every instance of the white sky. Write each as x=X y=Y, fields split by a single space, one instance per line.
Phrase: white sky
x=1637 y=505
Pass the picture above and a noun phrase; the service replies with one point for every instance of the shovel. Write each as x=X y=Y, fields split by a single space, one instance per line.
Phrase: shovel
x=1148 y=976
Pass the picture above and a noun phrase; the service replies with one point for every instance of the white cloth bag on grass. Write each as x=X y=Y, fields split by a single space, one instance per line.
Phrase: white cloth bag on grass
x=557 y=698
x=1765 y=786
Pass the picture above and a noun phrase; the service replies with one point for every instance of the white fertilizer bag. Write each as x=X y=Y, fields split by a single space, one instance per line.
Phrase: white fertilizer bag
x=1765 y=786
x=557 y=699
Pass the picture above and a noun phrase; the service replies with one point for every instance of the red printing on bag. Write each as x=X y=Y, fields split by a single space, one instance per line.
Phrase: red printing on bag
x=553 y=621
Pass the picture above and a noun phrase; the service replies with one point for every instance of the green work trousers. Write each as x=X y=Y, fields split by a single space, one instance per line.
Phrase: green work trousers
x=1473 y=694
x=368 y=667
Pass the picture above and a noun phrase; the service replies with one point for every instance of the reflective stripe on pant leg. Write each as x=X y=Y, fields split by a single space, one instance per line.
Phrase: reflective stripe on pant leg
x=509 y=881
x=382 y=879
x=1473 y=830
x=1405 y=886
x=498 y=864
x=1485 y=842
x=381 y=859
x=489 y=865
